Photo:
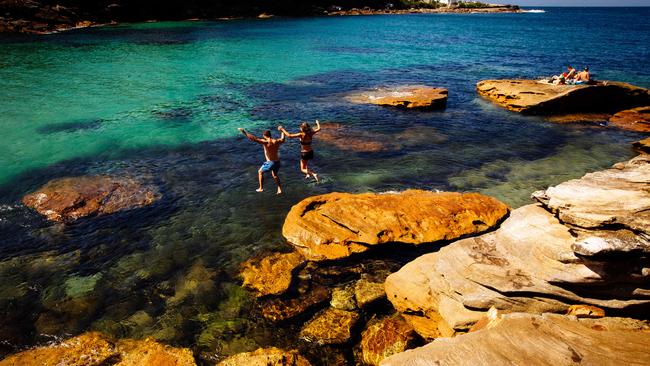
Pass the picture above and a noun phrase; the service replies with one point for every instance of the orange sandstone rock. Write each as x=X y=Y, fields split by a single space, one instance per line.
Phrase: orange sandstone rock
x=266 y=357
x=336 y=225
x=385 y=338
x=271 y=275
x=95 y=349
x=637 y=119
x=68 y=199
x=407 y=96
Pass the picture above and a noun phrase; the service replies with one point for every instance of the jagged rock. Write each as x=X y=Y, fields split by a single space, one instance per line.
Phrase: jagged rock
x=636 y=119
x=68 y=199
x=593 y=243
x=266 y=357
x=527 y=339
x=337 y=225
x=643 y=145
x=585 y=311
x=527 y=265
x=278 y=309
x=407 y=96
x=271 y=275
x=613 y=197
x=537 y=97
x=95 y=349
x=343 y=298
x=332 y=326
x=367 y=292
x=385 y=338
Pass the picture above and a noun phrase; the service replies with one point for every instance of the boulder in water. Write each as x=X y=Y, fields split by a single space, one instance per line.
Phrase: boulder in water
x=385 y=338
x=636 y=119
x=407 y=97
x=643 y=145
x=266 y=357
x=95 y=349
x=538 y=97
x=271 y=275
x=68 y=199
x=331 y=326
x=336 y=225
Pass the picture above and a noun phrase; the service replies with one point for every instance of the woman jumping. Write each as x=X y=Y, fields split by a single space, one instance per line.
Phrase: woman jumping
x=306 y=135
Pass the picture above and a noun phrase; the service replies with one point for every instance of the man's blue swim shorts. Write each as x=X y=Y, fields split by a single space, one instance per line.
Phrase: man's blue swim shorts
x=270 y=166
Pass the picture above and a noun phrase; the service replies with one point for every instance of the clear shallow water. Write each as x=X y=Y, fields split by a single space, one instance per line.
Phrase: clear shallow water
x=163 y=100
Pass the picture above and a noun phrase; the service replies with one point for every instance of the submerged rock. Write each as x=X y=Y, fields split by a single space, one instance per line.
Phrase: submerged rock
x=95 y=349
x=636 y=119
x=537 y=97
x=332 y=326
x=367 y=292
x=68 y=199
x=385 y=338
x=643 y=145
x=337 y=225
x=271 y=275
x=278 y=309
x=266 y=357
x=617 y=196
x=407 y=96
x=343 y=298
x=527 y=265
x=347 y=138
x=527 y=339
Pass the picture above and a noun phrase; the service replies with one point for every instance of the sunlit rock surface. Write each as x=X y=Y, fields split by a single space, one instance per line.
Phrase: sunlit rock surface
x=266 y=357
x=68 y=199
x=384 y=338
x=407 y=96
x=331 y=326
x=636 y=119
x=271 y=275
x=617 y=196
x=537 y=97
x=527 y=339
x=95 y=349
x=527 y=265
x=336 y=225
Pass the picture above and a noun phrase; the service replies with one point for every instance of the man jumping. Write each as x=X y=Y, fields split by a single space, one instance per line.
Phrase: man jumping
x=272 y=155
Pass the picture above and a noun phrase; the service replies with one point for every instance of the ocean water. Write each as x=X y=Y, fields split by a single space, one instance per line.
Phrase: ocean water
x=163 y=101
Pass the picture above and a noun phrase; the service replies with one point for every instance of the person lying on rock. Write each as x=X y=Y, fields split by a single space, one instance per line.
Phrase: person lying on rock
x=306 y=135
x=583 y=77
x=272 y=155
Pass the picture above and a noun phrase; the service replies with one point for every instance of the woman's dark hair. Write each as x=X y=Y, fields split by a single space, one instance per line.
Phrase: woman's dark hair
x=305 y=128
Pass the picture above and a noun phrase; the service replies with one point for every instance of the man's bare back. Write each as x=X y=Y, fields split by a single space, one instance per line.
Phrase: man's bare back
x=272 y=149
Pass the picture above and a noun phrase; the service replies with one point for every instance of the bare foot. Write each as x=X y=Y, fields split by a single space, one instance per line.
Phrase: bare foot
x=306 y=176
x=315 y=177
x=279 y=190
x=259 y=190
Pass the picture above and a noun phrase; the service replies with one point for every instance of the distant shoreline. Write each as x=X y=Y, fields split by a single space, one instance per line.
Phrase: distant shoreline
x=36 y=27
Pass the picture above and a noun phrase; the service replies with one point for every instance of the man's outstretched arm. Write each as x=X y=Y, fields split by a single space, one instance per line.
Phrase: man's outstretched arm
x=250 y=137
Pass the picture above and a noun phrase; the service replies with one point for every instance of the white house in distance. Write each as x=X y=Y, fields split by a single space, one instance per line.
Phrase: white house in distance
x=448 y=2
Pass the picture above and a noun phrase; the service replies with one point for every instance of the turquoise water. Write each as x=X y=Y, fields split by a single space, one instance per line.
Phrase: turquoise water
x=163 y=101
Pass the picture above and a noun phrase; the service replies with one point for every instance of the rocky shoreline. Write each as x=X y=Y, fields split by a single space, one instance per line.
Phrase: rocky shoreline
x=33 y=17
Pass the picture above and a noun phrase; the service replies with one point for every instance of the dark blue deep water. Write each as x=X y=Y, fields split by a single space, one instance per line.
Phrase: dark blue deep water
x=162 y=101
